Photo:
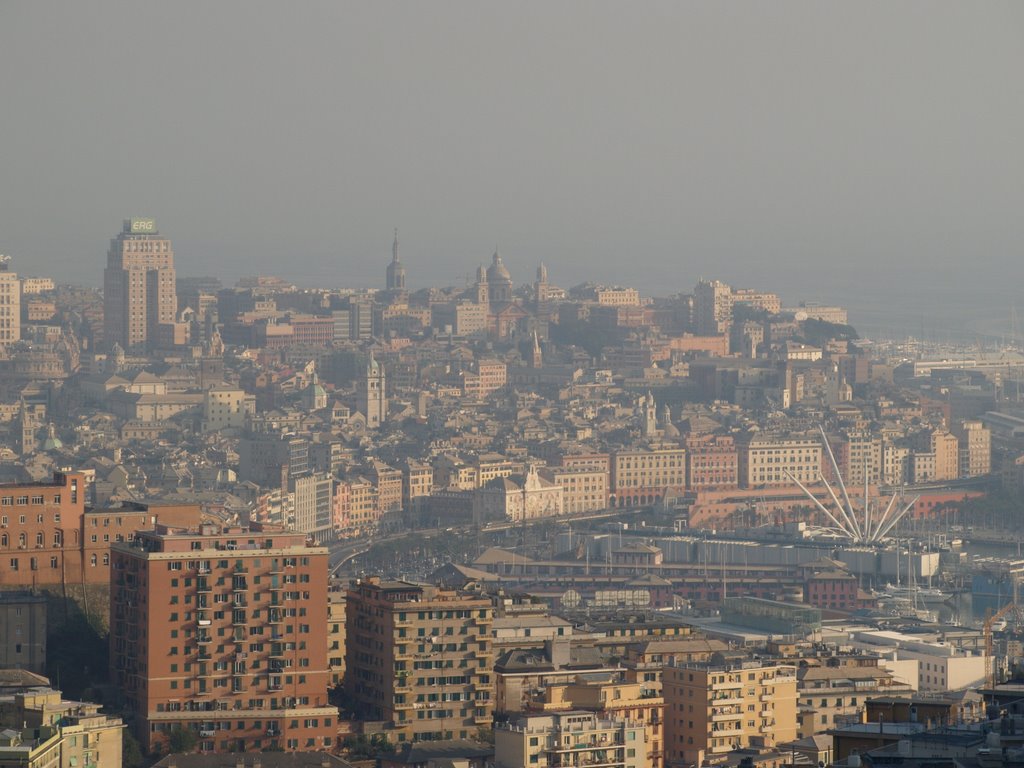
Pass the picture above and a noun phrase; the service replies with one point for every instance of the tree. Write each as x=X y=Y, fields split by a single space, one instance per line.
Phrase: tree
x=181 y=740
x=131 y=752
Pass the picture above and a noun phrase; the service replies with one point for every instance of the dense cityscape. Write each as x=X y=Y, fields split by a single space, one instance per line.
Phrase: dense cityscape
x=501 y=523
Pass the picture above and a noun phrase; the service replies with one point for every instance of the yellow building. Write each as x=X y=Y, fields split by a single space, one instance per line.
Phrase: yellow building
x=828 y=693
x=419 y=659
x=10 y=305
x=975 y=448
x=766 y=460
x=613 y=699
x=30 y=748
x=641 y=476
x=56 y=733
x=711 y=709
x=226 y=407
x=417 y=480
x=586 y=490
x=645 y=661
x=492 y=465
x=336 y=633
x=389 y=486
x=617 y=297
x=565 y=739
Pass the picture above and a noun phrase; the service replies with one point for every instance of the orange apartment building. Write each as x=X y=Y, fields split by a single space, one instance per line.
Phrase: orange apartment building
x=49 y=538
x=41 y=531
x=223 y=631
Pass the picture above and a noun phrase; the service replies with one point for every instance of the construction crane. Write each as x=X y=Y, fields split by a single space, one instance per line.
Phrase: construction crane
x=990 y=620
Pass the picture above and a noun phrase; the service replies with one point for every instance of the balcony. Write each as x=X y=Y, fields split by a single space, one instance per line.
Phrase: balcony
x=721 y=717
x=204 y=622
x=732 y=730
x=767 y=714
x=721 y=701
x=274 y=617
x=204 y=639
x=727 y=686
x=599 y=744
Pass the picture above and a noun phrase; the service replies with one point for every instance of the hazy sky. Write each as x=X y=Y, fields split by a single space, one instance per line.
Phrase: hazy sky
x=802 y=147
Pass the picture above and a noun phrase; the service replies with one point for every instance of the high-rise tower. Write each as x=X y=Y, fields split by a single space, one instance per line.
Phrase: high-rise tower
x=10 y=304
x=222 y=631
x=139 y=291
x=396 y=270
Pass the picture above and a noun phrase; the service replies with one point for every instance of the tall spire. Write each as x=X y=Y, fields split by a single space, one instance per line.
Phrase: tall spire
x=395 y=280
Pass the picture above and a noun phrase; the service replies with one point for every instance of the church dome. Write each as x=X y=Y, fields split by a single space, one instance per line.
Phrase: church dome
x=497 y=273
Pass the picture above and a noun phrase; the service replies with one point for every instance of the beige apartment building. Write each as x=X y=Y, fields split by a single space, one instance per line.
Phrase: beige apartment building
x=712 y=307
x=564 y=739
x=10 y=304
x=859 y=456
x=417 y=481
x=975 y=444
x=451 y=473
x=769 y=302
x=419 y=659
x=36 y=285
x=226 y=407
x=937 y=457
x=389 y=486
x=767 y=460
x=641 y=476
x=895 y=463
x=644 y=661
x=711 y=709
x=612 y=699
x=336 y=617
x=84 y=736
x=492 y=465
x=617 y=297
x=830 y=694
x=585 y=490
x=139 y=291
